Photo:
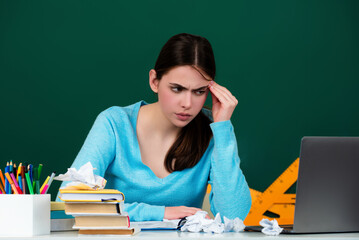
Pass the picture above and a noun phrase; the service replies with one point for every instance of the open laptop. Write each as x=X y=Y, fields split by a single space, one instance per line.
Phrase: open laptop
x=327 y=198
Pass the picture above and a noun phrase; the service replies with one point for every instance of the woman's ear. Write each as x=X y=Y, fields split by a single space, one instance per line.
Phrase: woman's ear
x=153 y=80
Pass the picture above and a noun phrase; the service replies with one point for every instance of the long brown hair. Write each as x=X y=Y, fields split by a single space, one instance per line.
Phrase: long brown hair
x=193 y=139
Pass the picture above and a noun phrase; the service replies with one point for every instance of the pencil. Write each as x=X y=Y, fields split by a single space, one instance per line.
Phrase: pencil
x=11 y=183
x=18 y=171
x=7 y=186
x=15 y=183
x=2 y=188
x=20 y=184
x=2 y=178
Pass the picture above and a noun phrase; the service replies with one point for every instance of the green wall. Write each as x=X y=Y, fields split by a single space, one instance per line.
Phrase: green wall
x=293 y=65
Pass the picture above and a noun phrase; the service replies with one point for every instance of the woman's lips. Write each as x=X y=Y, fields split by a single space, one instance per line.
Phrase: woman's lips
x=183 y=116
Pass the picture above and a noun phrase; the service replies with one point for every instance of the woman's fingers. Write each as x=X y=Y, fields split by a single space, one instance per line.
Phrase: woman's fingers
x=223 y=102
x=223 y=92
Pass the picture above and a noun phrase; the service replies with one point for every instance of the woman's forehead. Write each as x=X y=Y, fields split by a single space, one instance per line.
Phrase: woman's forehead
x=187 y=74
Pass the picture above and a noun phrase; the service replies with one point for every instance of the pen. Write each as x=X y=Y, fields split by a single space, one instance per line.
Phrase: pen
x=11 y=183
x=29 y=184
x=2 y=178
x=36 y=182
x=15 y=183
x=50 y=181
x=45 y=189
x=39 y=170
x=30 y=172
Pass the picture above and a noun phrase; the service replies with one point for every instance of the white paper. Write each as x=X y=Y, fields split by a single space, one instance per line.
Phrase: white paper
x=199 y=222
x=84 y=178
x=270 y=228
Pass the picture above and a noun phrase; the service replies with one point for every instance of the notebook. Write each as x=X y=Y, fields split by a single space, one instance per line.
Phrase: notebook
x=327 y=198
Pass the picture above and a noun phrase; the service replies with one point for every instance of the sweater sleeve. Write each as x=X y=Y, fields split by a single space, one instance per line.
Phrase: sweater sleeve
x=144 y=212
x=230 y=195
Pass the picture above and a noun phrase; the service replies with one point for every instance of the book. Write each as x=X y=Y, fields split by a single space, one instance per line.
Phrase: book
x=112 y=231
x=102 y=195
x=102 y=221
x=57 y=206
x=59 y=215
x=74 y=208
x=65 y=224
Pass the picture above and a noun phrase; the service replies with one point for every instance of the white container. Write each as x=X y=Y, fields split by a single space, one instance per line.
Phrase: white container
x=24 y=214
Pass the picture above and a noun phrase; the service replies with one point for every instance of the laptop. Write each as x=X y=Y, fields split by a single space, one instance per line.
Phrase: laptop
x=327 y=198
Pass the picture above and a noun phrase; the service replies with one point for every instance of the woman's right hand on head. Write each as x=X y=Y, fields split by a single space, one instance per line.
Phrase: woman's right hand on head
x=179 y=212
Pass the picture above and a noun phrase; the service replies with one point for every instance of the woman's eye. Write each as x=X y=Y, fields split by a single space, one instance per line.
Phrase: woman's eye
x=201 y=92
x=176 y=89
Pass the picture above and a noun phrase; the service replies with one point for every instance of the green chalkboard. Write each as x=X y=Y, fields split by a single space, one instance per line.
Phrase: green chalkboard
x=293 y=65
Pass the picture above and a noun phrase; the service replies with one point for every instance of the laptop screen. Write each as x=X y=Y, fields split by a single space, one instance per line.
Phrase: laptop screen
x=327 y=198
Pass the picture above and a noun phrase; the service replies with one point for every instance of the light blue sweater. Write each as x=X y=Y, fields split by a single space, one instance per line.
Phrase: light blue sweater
x=112 y=148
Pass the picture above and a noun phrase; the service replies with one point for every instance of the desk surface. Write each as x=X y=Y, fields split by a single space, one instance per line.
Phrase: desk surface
x=158 y=235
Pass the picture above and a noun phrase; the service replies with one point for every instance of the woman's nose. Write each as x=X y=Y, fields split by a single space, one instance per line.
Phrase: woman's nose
x=187 y=100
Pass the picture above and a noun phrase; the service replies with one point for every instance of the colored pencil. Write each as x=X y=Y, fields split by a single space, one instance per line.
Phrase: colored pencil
x=7 y=185
x=7 y=175
x=15 y=183
x=18 y=171
x=2 y=178
x=2 y=188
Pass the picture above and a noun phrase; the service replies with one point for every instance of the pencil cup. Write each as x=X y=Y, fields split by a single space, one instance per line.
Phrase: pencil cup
x=24 y=215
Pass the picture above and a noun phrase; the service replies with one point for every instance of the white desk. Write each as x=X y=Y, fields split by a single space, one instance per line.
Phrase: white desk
x=161 y=235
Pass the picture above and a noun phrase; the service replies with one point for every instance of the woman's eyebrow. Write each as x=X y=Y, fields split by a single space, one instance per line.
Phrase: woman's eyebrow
x=180 y=86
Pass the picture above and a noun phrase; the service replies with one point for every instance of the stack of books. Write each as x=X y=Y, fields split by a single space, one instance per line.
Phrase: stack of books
x=97 y=211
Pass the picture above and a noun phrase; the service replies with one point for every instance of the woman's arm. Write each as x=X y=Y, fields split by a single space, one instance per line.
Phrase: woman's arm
x=230 y=192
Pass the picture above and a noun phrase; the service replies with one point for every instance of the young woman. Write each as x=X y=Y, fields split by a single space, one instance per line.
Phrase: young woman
x=163 y=155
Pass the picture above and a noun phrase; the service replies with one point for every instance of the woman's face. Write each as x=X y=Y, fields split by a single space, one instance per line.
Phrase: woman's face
x=182 y=93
